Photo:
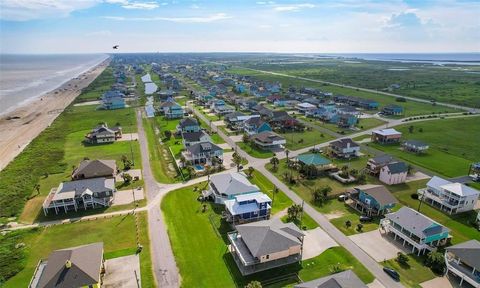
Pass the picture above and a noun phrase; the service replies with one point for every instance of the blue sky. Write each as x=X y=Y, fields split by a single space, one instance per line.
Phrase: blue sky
x=88 y=26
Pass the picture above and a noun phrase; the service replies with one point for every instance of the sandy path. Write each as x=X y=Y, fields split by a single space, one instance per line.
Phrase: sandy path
x=16 y=134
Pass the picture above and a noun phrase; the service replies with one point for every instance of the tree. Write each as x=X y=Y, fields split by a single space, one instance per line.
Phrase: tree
x=245 y=138
x=402 y=258
x=410 y=129
x=274 y=161
x=127 y=178
x=168 y=134
x=250 y=171
x=254 y=284
x=287 y=152
x=237 y=159
x=320 y=195
x=37 y=188
x=294 y=212
x=359 y=227
x=436 y=261
x=182 y=160
x=348 y=223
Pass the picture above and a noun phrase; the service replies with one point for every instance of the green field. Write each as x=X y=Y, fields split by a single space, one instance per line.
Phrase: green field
x=299 y=140
x=184 y=218
x=255 y=151
x=453 y=141
x=117 y=234
x=445 y=83
x=98 y=86
x=411 y=108
x=413 y=273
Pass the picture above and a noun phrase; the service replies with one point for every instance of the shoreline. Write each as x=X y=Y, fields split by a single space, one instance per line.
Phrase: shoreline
x=23 y=124
x=46 y=91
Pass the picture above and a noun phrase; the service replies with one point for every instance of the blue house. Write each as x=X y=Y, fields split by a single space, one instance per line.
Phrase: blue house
x=255 y=125
x=372 y=200
x=172 y=110
x=248 y=208
x=368 y=104
x=188 y=124
x=344 y=120
x=392 y=109
x=112 y=103
x=239 y=88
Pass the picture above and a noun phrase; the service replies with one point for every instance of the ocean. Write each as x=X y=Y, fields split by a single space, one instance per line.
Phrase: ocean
x=25 y=77
x=433 y=58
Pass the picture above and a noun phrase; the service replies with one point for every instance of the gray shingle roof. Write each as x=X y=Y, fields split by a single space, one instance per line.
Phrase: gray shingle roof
x=189 y=121
x=267 y=137
x=203 y=147
x=345 y=279
x=86 y=262
x=342 y=143
x=193 y=136
x=397 y=167
x=269 y=236
x=379 y=192
x=468 y=252
x=95 y=168
x=417 y=223
x=95 y=185
x=382 y=159
x=232 y=184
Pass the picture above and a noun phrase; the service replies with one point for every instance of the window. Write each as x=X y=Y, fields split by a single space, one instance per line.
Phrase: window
x=267 y=257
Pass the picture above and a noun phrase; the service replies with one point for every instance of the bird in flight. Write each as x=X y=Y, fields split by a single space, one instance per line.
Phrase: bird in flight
x=115 y=47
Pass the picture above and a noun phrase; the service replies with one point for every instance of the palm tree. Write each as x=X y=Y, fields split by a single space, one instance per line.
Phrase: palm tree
x=274 y=161
x=287 y=152
x=237 y=159
x=182 y=161
x=250 y=171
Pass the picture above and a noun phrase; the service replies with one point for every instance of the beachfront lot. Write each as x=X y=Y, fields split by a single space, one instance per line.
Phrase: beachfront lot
x=75 y=124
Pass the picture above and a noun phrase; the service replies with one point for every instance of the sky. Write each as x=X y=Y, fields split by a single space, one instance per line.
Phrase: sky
x=342 y=26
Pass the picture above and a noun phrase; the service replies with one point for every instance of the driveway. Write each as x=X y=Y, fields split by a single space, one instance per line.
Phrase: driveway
x=122 y=272
x=218 y=123
x=132 y=172
x=224 y=146
x=228 y=160
x=124 y=197
x=417 y=176
x=315 y=242
x=236 y=138
x=129 y=137
x=441 y=282
x=376 y=245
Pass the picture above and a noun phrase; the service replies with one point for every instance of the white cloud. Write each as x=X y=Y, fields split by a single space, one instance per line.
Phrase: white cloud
x=293 y=8
x=265 y=2
x=25 y=10
x=206 y=19
x=141 y=5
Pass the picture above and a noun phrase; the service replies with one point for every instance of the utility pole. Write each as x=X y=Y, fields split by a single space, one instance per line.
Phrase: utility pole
x=131 y=148
x=301 y=214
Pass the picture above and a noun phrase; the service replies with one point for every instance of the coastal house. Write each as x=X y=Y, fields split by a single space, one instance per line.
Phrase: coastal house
x=344 y=120
x=203 y=153
x=415 y=229
x=95 y=168
x=247 y=105
x=374 y=165
x=344 y=279
x=371 y=200
x=268 y=140
x=314 y=159
x=188 y=124
x=394 y=173
x=415 y=146
x=81 y=266
x=248 y=208
x=386 y=136
x=192 y=138
x=235 y=120
x=172 y=110
x=103 y=134
x=303 y=107
x=463 y=261
x=85 y=193
x=255 y=125
x=112 y=103
x=283 y=121
x=392 y=109
x=224 y=187
x=449 y=196
x=344 y=148
x=264 y=245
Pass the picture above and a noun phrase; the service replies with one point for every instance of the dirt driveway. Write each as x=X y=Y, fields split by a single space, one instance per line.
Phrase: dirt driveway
x=315 y=242
x=376 y=245
x=122 y=272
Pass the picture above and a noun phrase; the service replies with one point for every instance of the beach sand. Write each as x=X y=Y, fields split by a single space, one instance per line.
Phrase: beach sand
x=19 y=127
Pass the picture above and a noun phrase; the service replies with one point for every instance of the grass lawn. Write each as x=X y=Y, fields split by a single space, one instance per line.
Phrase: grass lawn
x=353 y=216
x=364 y=124
x=255 y=151
x=413 y=273
x=117 y=234
x=459 y=154
x=298 y=140
x=100 y=85
x=184 y=218
x=461 y=230
x=161 y=160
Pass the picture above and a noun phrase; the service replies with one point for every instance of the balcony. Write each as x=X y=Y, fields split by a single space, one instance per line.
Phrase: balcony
x=464 y=272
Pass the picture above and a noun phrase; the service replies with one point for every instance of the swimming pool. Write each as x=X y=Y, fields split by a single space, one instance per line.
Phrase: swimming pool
x=199 y=168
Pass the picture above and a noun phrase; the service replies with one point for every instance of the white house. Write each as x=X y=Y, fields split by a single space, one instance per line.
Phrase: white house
x=224 y=187
x=394 y=173
x=448 y=196
x=344 y=148
x=303 y=107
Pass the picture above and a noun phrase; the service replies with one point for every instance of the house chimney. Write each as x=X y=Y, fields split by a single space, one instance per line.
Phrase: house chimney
x=68 y=264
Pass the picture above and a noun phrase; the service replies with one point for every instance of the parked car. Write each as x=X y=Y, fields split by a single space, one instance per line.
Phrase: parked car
x=364 y=218
x=342 y=197
x=392 y=273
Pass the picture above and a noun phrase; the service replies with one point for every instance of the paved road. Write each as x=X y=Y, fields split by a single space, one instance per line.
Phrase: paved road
x=470 y=109
x=164 y=266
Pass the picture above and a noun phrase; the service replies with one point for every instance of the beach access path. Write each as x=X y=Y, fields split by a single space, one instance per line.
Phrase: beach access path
x=19 y=127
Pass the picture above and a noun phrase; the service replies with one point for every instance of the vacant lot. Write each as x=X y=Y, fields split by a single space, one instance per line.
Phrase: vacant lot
x=298 y=140
x=453 y=144
x=118 y=235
